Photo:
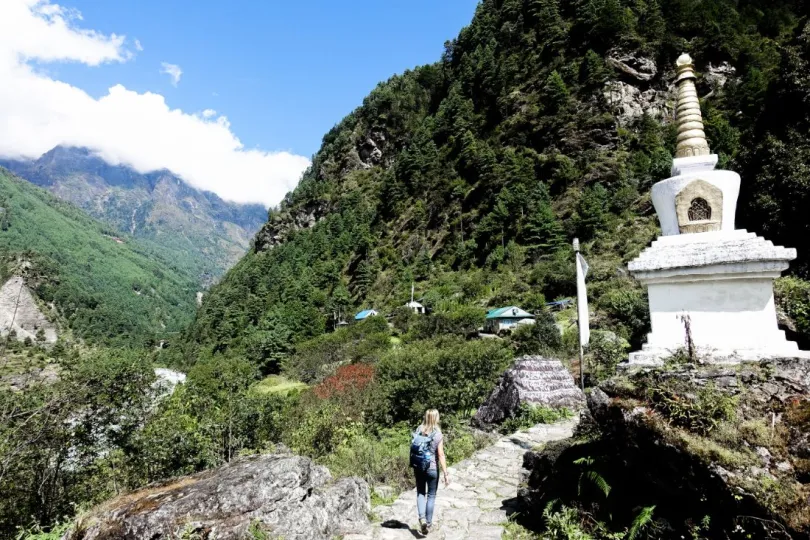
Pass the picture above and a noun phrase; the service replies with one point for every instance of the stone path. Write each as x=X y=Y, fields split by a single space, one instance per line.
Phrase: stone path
x=481 y=493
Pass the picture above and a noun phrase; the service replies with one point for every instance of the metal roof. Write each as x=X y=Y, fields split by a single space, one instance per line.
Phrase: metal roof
x=364 y=314
x=509 y=312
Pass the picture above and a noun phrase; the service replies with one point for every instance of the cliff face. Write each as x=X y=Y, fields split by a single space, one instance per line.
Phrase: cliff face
x=20 y=314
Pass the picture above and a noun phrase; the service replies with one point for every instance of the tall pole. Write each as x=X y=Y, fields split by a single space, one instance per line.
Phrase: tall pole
x=579 y=328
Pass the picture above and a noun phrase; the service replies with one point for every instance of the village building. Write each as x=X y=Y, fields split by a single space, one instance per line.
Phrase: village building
x=506 y=319
x=365 y=314
x=416 y=307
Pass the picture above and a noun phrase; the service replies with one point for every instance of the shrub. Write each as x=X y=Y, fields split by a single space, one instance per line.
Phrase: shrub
x=793 y=298
x=460 y=321
x=699 y=412
x=317 y=429
x=363 y=342
x=382 y=459
x=541 y=337
x=530 y=415
x=449 y=374
x=627 y=311
x=351 y=378
x=606 y=350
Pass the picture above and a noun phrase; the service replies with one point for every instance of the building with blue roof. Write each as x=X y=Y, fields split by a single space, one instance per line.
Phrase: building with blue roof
x=506 y=319
x=365 y=314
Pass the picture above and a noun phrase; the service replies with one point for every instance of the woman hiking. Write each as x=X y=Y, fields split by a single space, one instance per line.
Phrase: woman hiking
x=427 y=448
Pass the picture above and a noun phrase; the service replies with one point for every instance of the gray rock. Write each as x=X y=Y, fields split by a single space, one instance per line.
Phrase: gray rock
x=284 y=494
x=534 y=380
x=20 y=312
x=718 y=76
x=636 y=67
x=629 y=102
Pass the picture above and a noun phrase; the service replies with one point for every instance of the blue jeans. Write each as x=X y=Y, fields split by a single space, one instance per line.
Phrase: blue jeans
x=427 y=482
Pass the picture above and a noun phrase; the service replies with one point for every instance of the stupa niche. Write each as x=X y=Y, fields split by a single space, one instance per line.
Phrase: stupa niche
x=702 y=274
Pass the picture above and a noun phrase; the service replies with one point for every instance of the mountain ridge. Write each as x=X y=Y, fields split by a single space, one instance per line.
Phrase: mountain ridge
x=109 y=289
x=157 y=205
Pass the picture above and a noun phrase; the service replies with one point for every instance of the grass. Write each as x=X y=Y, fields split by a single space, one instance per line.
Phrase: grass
x=277 y=384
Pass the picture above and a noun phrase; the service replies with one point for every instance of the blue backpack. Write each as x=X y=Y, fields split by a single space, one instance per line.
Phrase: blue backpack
x=421 y=450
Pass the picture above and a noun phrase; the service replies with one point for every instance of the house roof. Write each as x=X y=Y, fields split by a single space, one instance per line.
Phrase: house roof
x=509 y=312
x=414 y=305
x=364 y=314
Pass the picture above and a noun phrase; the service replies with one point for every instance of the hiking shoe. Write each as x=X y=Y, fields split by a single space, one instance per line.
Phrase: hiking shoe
x=427 y=529
x=423 y=526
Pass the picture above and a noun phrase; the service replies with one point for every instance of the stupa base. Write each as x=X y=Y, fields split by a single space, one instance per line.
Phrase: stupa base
x=657 y=356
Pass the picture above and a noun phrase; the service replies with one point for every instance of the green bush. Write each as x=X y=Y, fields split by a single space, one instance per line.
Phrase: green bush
x=793 y=298
x=460 y=321
x=542 y=337
x=381 y=459
x=699 y=412
x=531 y=415
x=364 y=342
x=448 y=374
x=605 y=351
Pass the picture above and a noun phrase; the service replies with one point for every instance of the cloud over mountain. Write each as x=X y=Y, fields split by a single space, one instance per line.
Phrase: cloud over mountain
x=123 y=126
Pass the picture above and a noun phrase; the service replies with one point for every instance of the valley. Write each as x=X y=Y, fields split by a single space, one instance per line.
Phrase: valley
x=457 y=187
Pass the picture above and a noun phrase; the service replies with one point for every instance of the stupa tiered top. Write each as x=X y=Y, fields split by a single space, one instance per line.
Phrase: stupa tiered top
x=707 y=281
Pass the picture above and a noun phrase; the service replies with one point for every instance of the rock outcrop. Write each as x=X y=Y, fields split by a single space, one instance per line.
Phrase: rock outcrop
x=280 y=226
x=20 y=314
x=629 y=102
x=284 y=495
x=533 y=380
x=730 y=443
x=632 y=66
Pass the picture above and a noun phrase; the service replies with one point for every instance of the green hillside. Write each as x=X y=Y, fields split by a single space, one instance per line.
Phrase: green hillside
x=108 y=290
x=472 y=175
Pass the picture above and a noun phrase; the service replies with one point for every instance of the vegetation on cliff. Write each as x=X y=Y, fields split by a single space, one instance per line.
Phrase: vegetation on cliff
x=106 y=290
x=470 y=176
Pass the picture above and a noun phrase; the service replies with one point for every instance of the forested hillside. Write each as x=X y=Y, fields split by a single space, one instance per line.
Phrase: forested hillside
x=543 y=120
x=107 y=290
x=195 y=228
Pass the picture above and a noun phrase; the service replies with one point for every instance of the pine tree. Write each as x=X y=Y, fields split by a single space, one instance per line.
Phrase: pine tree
x=542 y=232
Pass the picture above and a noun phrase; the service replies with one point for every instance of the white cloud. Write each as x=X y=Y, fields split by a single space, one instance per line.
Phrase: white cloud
x=138 y=46
x=208 y=113
x=172 y=70
x=123 y=126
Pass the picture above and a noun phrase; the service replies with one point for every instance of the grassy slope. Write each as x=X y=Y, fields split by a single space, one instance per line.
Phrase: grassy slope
x=108 y=292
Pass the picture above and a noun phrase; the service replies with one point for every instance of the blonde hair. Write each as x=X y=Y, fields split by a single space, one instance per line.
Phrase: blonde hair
x=431 y=422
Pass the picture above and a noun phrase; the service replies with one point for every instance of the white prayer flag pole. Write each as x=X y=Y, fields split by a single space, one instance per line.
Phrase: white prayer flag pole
x=582 y=309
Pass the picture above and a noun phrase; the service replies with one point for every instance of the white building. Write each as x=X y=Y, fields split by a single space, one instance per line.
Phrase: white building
x=702 y=274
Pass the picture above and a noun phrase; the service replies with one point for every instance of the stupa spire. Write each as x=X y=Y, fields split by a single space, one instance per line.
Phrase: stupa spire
x=691 y=137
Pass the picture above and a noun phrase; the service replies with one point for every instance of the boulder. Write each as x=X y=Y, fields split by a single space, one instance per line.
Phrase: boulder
x=534 y=380
x=283 y=494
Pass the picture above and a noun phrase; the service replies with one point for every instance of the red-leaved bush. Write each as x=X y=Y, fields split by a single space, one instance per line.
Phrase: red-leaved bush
x=349 y=378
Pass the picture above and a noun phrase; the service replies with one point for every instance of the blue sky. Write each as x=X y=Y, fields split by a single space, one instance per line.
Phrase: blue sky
x=282 y=72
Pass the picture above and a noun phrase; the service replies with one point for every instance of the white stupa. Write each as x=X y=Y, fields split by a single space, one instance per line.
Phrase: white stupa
x=702 y=273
